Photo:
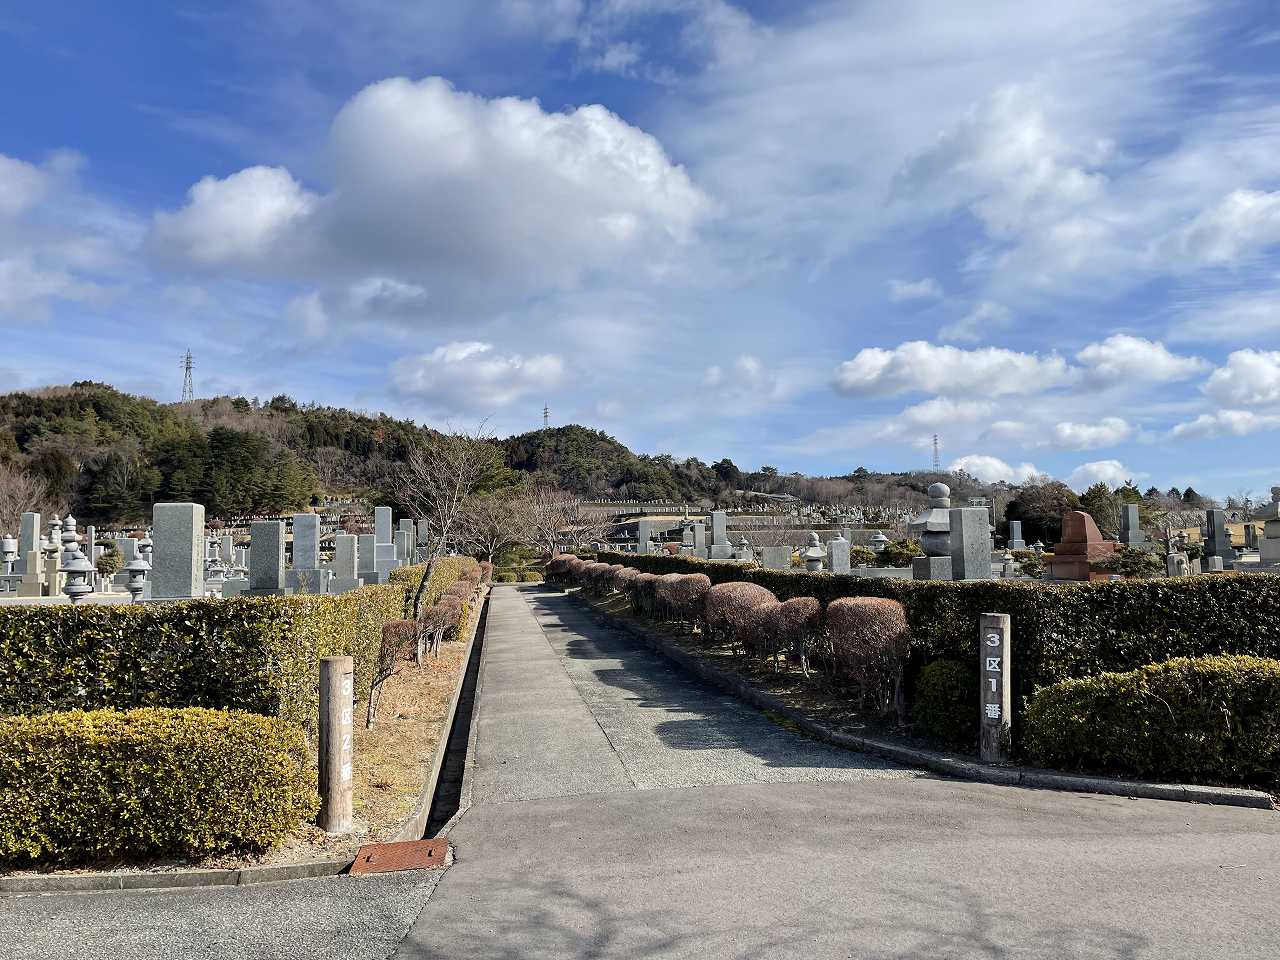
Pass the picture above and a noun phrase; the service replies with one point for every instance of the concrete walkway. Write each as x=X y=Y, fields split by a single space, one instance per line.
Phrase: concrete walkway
x=620 y=809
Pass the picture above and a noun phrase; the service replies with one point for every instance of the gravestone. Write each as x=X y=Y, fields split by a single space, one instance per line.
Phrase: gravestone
x=127 y=547
x=177 y=558
x=28 y=541
x=1217 y=541
x=1015 y=536
x=382 y=524
x=404 y=541
x=719 y=527
x=970 y=539
x=228 y=545
x=266 y=559
x=700 y=539
x=367 y=543
x=838 y=555
x=1131 y=534
x=345 y=564
x=933 y=529
x=1081 y=545
x=424 y=533
x=1269 y=545
x=776 y=558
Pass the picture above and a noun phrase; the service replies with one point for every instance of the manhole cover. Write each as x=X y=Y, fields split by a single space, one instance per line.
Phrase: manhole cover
x=390 y=857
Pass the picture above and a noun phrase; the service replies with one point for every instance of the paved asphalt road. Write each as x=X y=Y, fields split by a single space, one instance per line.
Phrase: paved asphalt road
x=623 y=810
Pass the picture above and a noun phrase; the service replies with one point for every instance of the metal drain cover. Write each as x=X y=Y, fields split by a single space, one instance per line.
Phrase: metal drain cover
x=410 y=855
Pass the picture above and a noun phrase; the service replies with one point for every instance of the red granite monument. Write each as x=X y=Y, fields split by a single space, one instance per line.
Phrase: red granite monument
x=1081 y=545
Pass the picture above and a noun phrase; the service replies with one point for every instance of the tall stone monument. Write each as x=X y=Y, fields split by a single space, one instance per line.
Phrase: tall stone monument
x=1269 y=545
x=970 y=541
x=266 y=559
x=1217 y=541
x=177 y=559
x=933 y=529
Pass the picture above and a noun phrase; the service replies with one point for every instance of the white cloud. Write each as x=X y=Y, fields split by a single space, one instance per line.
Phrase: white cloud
x=1111 y=472
x=1122 y=358
x=251 y=219
x=1250 y=378
x=1243 y=225
x=385 y=295
x=977 y=323
x=989 y=469
x=307 y=318
x=923 y=289
x=431 y=182
x=26 y=284
x=1236 y=423
x=1107 y=432
x=468 y=375
x=21 y=185
x=925 y=367
x=1235 y=318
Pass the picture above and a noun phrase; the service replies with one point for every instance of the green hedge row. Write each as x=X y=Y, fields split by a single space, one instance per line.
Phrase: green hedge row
x=1207 y=718
x=259 y=654
x=1059 y=630
x=78 y=787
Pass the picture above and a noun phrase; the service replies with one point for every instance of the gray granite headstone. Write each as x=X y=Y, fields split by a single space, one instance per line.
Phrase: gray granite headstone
x=776 y=558
x=177 y=560
x=722 y=551
x=424 y=533
x=306 y=541
x=1015 y=536
x=266 y=557
x=382 y=524
x=970 y=543
x=719 y=527
x=1217 y=541
x=28 y=540
x=838 y=555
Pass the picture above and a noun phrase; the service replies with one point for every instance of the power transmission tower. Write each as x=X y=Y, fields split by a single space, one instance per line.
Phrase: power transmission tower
x=937 y=460
x=546 y=416
x=188 y=388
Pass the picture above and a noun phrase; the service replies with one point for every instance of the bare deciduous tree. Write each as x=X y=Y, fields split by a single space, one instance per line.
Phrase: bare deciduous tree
x=20 y=492
x=436 y=483
x=555 y=517
x=492 y=523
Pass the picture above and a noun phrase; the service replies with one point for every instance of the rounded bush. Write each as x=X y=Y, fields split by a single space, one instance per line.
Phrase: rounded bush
x=727 y=606
x=687 y=596
x=398 y=634
x=531 y=576
x=644 y=598
x=869 y=639
x=755 y=632
x=622 y=579
x=946 y=701
x=486 y=571
x=795 y=626
x=505 y=576
x=79 y=787
x=558 y=569
x=665 y=592
x=1203 y=718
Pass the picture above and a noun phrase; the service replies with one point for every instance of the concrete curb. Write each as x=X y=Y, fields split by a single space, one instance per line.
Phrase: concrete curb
x=307 y=870
x=929 y=759
x=416 y=825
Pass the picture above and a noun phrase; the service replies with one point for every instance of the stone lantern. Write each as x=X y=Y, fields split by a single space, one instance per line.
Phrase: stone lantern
x=137 y=570
x=879 y=542
x=144 y=548
x=743 y=550
x=1038 y=547
x=8 y=553
x=814 y=554
x=75 y=565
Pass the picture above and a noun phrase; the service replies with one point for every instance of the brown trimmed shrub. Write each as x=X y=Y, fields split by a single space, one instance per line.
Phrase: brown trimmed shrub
x=870 y=640
x=622 y=580
x=727 y=606
x=756 y=631
x=795 y=626
x=688 y=596
x=644 y=598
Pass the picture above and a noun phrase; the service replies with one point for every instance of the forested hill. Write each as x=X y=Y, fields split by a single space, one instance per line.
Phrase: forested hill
x=108 y=455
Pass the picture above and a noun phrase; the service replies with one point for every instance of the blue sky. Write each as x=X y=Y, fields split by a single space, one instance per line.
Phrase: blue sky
x=809 y=235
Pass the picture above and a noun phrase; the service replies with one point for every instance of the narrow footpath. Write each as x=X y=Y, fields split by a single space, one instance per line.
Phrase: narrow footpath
x=619 y=808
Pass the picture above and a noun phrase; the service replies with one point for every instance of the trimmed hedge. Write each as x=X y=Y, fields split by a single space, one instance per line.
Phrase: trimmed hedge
x=1207 y=718
x=78 y=787
x=1059 y=630
x=259 y=654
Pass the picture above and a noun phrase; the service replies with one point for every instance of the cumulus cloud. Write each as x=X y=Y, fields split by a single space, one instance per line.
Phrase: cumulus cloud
x=922 y=366
x=989 y=469
x=1107 y=432
x=253 y=218
x=1237 y=423
x=1111 y=472
x=21 y=185
x=1243 y=225
x=469 y=375
x=924 y=289
x=1250 y=378
x=432 y=181
x=1122 y=358
x=25 y=285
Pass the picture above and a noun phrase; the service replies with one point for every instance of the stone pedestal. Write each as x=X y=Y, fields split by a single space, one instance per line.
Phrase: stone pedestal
x=1015 y=536
x=838 y=555
x=931 y=568
x=776 y=558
